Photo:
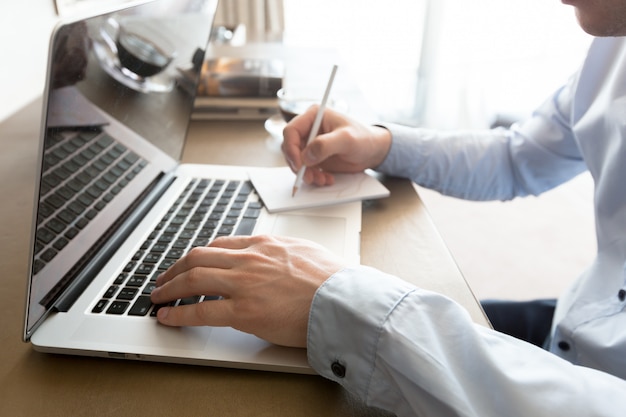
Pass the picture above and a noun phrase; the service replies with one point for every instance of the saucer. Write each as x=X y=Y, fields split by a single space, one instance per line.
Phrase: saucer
x=274 y=126
x=110 y=63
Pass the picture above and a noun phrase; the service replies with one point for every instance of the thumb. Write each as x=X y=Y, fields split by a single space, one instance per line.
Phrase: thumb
x=324 y=147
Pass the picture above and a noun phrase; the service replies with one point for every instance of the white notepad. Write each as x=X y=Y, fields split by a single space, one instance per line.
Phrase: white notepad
x=275 y=185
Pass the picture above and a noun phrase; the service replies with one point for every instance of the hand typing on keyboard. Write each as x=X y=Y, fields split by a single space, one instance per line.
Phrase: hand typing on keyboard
x=266 y=283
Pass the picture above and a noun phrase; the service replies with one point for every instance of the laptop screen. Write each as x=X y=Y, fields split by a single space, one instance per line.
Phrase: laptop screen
x=138 y=65
x=130 y=71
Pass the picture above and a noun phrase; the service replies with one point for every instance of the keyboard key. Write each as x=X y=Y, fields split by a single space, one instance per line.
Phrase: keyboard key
x=44 y=235
x=48 y=255
x=56 y=225
x=141 y=306
x=60 y=243
x=144 y=269
x=129 y=266
x=152 y=258
x=189 y=300
x=71 y=233
x=246 y=227
x=228 y=230
x=127 y=293
x=46 y=210
x=175 y=253
x=55 y=201
x=121 y=278
x=110 y=292
x=156 y=309
x=229 y=221
x=38 y=266
x=118 y=307
x=147 y=290
x=100 y=306
x=165 y=265
x=67 y=216
x=252 y=213
x=136 y=280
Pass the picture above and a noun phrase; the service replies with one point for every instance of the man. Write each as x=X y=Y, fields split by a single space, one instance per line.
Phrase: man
x=415 y=352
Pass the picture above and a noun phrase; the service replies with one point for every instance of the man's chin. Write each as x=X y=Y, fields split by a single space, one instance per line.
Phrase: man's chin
x=601 y=27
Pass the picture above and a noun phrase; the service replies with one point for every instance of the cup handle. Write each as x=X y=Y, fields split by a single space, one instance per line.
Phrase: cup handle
x=109 y=32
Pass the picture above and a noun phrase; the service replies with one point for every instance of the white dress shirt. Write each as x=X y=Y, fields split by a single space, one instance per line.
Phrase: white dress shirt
x=418 y=353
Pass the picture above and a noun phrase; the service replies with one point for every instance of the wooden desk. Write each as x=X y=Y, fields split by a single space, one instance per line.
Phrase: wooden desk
x=398 y=237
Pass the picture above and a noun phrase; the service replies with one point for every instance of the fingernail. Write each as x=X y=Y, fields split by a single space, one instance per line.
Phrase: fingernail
x=291 y=165
x=163 y=313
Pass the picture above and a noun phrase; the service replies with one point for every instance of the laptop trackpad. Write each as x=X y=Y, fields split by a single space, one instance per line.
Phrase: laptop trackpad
x=327 y=231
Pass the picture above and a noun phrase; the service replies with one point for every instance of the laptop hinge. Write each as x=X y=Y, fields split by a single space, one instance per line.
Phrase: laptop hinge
x=95 y=259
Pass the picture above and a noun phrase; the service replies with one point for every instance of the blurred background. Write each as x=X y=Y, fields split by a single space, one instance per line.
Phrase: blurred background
x=441 y=63
x=470 y=61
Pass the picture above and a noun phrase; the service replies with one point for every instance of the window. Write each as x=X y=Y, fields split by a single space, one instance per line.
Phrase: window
x=379 y=40
x=483 y=58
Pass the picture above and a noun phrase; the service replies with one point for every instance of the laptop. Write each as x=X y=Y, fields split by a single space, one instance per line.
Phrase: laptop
x=114 y=206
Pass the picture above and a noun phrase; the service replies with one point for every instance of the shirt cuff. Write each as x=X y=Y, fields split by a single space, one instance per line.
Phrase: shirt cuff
x=404 y=153
x=347 y=315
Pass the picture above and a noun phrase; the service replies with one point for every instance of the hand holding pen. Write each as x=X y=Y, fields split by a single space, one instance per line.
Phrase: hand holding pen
x=321 y=142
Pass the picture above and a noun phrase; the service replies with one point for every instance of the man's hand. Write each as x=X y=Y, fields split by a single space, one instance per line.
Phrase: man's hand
x=342 y=145
x=267 y=285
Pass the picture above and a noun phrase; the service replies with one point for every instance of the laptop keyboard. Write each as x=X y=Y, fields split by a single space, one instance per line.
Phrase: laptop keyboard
x=205 y=210
x=83 y=171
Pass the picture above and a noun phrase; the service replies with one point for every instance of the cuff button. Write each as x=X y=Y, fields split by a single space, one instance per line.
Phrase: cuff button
x=339 y=370
x=564 y=346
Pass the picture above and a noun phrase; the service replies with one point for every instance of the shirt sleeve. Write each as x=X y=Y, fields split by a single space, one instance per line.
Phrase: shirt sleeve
x=499 y=164
x=414 y=352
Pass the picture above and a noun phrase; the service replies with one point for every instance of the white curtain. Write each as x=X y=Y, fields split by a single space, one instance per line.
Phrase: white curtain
x=480 y=66
x=263 y=19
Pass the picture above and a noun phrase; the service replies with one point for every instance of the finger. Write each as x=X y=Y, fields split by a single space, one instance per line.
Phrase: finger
x=292 y=148
x=220 y=254
x=215 y=255
x=318 y=177
x=295 y=137
x=233 y=242
x=197 y=257
x=207 y=313
x=302 y=125
x=196 y=281
x=291 y=154
x=326 y=145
